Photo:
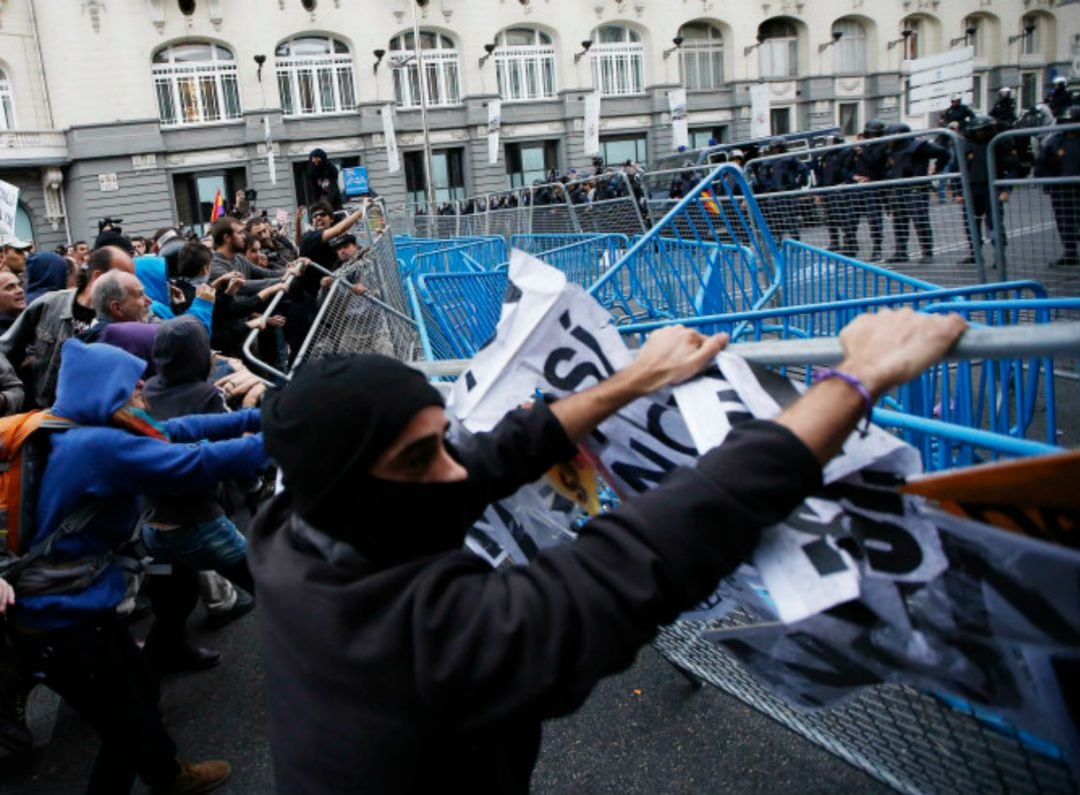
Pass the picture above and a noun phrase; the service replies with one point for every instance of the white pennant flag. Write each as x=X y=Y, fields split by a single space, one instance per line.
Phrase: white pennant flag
x=592 y=124
x=269 y=150
x=760 y=126
x=393 y=160
x=494 y=124
x=680 y=133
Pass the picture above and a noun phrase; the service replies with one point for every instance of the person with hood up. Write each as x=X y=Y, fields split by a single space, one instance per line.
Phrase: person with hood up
x=46 y=272
x=396 y=661
x=152 y=272
x=190 y=530
x=68 y=636
x=321 y=180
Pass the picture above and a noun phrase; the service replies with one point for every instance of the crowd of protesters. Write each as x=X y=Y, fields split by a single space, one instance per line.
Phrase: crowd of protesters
x=138 y=340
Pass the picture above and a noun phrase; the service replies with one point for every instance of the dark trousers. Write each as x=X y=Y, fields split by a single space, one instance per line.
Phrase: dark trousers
x=97 y=669
x=173 y=597
x=980 y=208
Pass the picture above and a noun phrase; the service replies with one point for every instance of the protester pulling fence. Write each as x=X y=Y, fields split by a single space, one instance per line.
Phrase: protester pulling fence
x=861 y=588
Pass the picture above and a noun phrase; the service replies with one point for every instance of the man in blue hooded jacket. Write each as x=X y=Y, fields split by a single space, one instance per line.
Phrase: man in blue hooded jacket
x=68 y=635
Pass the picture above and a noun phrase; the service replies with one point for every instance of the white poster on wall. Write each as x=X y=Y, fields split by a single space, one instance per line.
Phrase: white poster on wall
x=680 y=132
x=393 y=160
x=269 y=140
x=760 y=126
x=9 y=205
x=494 y=124
x=592 y=124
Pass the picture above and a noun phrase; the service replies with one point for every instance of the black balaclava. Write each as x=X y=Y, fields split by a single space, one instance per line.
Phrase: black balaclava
x=328 y=427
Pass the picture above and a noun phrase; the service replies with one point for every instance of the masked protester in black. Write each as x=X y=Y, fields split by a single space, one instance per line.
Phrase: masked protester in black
x=396 y=661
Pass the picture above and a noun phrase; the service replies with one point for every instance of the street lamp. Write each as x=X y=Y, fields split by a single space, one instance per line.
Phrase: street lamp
x=379 y=54
x=489 y=49
x=968 y=35
x=585 y=45
x=749 y=49
x=677 y=41
x=836 y=36
x=1029 y=28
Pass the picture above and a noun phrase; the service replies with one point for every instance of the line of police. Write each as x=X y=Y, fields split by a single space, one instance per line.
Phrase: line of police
x=908 y=203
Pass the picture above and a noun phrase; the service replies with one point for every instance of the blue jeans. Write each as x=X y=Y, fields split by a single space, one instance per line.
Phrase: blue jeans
x=215 y=544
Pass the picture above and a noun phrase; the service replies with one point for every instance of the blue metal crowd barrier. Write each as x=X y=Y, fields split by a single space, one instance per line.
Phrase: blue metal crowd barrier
x=458 y=312
x=814 y=275
x=538 y=244
x=474 y=256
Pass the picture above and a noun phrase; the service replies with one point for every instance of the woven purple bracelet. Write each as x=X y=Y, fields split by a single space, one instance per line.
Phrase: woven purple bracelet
x=854 y=383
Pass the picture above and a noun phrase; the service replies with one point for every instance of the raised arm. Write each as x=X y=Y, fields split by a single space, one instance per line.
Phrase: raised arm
x=670 y=355
x=344 y=225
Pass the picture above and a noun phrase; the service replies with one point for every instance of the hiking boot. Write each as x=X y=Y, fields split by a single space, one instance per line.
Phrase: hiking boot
x=968 y=260
x=243 y=605
x=189 y=660
x=197 y=777
x=14 y=734
x=898 y=258
x=1064 y=262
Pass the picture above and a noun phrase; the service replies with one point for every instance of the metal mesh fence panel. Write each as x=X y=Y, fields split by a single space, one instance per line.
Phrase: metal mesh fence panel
x=1036 y=195
x=351 y=323
x=911 y=740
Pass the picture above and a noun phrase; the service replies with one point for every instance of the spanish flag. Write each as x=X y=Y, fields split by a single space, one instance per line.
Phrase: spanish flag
x=219 y=207
x=709 y=202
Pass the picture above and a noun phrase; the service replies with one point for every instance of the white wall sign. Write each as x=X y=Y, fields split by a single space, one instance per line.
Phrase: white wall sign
x=936 y=78
x=9 y=205
x=592 y=124
x=680 y=134
x=108 y=183
x=493 y=127
x=393 y=160
x=760 y=126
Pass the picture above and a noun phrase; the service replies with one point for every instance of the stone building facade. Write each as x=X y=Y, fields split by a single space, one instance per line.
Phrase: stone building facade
x=145 y=108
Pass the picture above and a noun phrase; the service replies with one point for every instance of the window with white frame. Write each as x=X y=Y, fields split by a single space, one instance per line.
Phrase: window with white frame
x=1030 y=83
x=442 y=75
x=912 y=46
x=7 y=107
x=196 y=83
x=702 y=56
x=847 y=118
x=778 y=53
x=780 y=120
x=315 y=76
x=618 y=61
x=1040 y=41
x=524 y=65
x=849 y=52
x=977 y=40
x=977 y=92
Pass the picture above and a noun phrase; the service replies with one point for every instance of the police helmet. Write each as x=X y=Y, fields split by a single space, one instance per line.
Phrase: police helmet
x=1059 y=80
x=1071 y=114
x=956 y=97
x=981 y=124
x=736 y=154
x=897 y=129
x=778 y=144
x=874 y=128
x=1005 y=91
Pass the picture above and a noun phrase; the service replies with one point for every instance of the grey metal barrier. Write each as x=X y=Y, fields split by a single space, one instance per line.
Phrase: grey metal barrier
x=1036 y=205
x=922 y=225
x=912 y=740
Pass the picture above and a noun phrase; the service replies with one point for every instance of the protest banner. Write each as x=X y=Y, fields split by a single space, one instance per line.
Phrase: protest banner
x=861 y=585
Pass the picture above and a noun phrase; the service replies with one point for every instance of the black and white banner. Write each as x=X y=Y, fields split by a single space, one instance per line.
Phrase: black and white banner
x=860 y=585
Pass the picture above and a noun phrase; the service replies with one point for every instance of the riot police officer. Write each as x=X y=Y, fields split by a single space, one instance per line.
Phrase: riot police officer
x=781 y=175
x=977 y=138
x=956 y=112
x=1004 y=110
x=910 y=203
x=1059 y=99
x=869 y=167
x=832 y=168
x=1059 y=156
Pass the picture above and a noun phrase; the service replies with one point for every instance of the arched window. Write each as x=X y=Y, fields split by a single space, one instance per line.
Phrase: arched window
x=196 y=84
x=1040 y=42
x=618 y=61
x=525 y=64
x=923 y=38
x=315 y=75
x=702 y=54
x=7 y=108
x=442 y=81
x=778 y=55
x=849 y=52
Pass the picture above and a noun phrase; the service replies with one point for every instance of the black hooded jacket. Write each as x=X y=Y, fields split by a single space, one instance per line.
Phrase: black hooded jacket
x=434 y=674
x=182 y=358
x=321 y=180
